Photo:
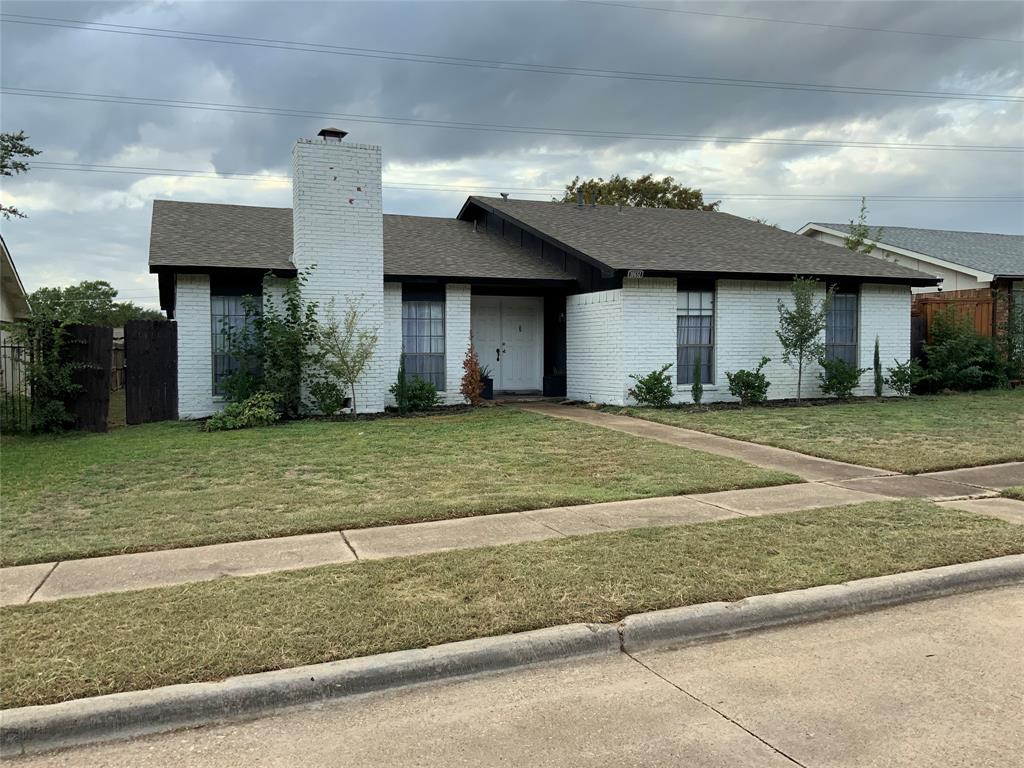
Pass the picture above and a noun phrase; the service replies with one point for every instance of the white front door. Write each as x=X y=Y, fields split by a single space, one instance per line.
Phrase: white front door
x=508 y=332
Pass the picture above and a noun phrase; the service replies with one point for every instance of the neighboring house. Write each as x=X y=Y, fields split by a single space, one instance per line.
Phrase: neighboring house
x=13 y=299
x=554 y=293
x=964 y=260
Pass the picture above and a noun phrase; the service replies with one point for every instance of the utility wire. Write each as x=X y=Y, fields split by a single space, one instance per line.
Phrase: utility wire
x=547 y=192
x=490 y=127
x=494 y=64
x=822 y=25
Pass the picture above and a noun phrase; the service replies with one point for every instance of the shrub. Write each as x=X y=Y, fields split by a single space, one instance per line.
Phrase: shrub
x=655 y=389
x=697 y=388
x=328 y=395
x=751 y=387
x=260 y=410
x=413 y=394
x=877 y=365
x=838 y=378
x=903 y=377
x=959 y=358
x=472 y=377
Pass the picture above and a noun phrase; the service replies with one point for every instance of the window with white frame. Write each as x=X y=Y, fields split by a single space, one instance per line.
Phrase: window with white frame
x=695 y=335
x=229 y=320
x=841 y=328
x=423 y=340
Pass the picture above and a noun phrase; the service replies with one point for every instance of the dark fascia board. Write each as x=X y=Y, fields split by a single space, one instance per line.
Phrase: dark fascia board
x=777 y=277
x=1008 y=277
x=509 y=281
x=206 y=269
x=606 y=270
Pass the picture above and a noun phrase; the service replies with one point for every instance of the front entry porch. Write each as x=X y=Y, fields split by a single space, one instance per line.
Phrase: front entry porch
x=508 y=332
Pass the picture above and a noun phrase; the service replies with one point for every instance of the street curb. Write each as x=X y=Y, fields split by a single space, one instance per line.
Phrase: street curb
x=697 y=623
x=29 y=730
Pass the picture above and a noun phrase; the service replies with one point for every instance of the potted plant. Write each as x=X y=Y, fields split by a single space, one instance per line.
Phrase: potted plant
x=488 y=382
x=554 y=385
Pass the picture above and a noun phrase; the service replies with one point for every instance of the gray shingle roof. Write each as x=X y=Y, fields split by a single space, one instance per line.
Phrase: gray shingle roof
x=429 y=246
x=690 y=241
x=983 y=251
x=245 y=236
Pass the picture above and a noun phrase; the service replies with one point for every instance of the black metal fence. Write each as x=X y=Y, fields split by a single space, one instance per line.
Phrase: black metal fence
x=15 y=390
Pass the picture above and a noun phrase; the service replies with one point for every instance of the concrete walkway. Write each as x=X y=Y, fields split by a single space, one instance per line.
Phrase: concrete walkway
x=45 y=582
x=810 y=468
x=927 y=685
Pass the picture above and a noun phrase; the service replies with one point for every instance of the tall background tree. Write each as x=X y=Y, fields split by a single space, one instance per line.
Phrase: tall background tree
x=92 y=302
x=642 y=192
x=12 y=147
x=860 y=232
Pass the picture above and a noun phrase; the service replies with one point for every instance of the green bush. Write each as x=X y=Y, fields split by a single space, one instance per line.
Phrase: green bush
x=697 y=388
x=260 y=410
x=751 y=387
x=655 y=389
x=328 y=396
x=877 y=365
x=838 y=378
x=413 y=394
x=959 y=358
x=903 y=377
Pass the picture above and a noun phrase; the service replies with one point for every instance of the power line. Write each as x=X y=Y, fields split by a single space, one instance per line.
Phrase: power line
x=101 y=98
x=823 y=25
x=437 y=187
x=494 y=64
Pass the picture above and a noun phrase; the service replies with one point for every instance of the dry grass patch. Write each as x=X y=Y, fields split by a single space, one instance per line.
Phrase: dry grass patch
x=161 y=486
x=208 y=631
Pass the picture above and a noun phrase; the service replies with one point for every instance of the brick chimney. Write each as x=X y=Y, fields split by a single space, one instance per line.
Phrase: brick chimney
x=338 y=228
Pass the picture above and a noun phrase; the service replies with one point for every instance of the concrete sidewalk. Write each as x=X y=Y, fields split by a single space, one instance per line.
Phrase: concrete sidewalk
x=810 y=468
x=868 y=690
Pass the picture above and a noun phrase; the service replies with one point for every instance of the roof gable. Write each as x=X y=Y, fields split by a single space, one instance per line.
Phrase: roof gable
x=673 y=240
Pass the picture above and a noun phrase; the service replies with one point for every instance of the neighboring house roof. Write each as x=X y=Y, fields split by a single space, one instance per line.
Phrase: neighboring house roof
x=673 y=240
x=14 y=297
x=424 y=245
x=211 y=235
x=998 y=255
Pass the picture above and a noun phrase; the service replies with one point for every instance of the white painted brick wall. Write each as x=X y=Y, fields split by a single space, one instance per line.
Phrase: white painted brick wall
x=390 y=345
x=613 y=334
x=593 y=335
x=338 y=227
x=885 y=313
x=195 y=346
x=456 y=339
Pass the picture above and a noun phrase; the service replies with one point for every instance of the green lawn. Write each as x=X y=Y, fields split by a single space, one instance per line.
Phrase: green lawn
x=1015 y=493
x=168 y=485
x=919 y=434
x=211 y=630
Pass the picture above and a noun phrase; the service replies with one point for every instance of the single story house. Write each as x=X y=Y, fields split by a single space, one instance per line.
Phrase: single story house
x=964 y=260
x=559 y=298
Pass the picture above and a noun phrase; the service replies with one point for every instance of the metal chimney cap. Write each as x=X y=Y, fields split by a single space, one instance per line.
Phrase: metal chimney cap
x=332 y=134
x=504 y=195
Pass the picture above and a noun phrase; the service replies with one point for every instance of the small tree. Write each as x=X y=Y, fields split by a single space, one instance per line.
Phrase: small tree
x=347 y=349
x=860 y=232
x=800 y=328
x=697 y=388
x=400 y=389
x=879 y=378
x=472 y=379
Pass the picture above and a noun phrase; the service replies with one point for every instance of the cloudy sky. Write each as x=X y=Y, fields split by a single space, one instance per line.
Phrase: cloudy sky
x=365 y=60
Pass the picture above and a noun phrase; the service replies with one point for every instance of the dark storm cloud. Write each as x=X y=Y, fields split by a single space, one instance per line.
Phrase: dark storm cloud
x=568 y=34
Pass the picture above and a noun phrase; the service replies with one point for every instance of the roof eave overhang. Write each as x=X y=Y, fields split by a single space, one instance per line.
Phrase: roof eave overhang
x=203 y=269
x=917 y=282
x=606 y=270
x=543 y=282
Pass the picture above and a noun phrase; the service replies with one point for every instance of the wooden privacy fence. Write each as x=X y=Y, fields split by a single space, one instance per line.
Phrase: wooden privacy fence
x=978 y=305
x=151 y=370
x=91 y=347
